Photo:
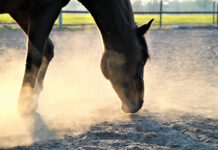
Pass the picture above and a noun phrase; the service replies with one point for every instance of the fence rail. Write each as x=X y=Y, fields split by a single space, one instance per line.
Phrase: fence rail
x=147 y=12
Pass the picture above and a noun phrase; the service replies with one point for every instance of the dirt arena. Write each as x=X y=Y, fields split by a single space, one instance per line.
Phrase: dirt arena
x=78 y=109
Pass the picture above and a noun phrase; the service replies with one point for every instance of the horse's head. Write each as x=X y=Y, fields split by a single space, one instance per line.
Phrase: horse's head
x=123 y=65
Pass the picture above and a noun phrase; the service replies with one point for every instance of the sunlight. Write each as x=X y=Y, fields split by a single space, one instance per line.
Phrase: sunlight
x=1 y=101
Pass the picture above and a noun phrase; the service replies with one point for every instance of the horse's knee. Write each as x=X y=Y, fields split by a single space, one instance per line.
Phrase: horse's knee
x=34 y=56
x=49 y=50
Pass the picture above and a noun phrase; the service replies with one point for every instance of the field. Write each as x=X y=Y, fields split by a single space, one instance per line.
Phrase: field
x=75 y=19
x=78 y=109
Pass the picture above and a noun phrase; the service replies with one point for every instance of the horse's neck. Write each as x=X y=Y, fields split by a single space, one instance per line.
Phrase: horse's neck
x=114 y=19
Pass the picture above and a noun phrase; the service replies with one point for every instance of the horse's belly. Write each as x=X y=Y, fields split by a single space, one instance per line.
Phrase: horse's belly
x=7 y=6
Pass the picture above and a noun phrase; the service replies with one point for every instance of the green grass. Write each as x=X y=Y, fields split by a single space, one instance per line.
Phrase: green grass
x=77 y=19
x=5 y=18
x=176 y=19
x=140 y=19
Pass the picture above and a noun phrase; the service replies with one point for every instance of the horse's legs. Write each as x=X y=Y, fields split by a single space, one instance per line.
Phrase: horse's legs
x=22 y=20
x=39 y=26
x=47 y=57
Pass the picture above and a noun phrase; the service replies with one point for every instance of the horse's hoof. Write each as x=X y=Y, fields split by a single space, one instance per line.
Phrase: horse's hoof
x=27 y=108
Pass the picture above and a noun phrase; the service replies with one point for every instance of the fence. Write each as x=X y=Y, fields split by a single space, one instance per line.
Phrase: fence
x=161 y=13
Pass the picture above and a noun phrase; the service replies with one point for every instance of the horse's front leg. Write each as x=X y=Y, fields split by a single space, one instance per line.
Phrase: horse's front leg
x=40 y=25
x=47 y=57
x=27 y=101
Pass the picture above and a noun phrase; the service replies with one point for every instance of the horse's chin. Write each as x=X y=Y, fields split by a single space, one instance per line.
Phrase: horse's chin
x=132 y=108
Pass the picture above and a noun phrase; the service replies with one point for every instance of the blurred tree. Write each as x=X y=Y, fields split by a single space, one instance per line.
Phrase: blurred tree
x=74 y=5
x=138 y=5
x=153 y=5
x=204 y=5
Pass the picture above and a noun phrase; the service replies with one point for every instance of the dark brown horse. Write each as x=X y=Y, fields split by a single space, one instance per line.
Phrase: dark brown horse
x=125 y=47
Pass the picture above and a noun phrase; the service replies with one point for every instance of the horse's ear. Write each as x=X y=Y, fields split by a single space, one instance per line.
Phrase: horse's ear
x=144 y=28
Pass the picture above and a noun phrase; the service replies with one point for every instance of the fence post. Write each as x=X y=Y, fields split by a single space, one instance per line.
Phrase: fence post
x=217 y=14
x=214 y=5
x=161 y=9
x=60 y=19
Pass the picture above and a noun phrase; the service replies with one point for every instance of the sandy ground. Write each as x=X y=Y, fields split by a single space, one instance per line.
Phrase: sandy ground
x=181 y=95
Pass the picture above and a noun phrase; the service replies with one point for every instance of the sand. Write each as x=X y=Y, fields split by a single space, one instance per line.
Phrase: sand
x=78 y=108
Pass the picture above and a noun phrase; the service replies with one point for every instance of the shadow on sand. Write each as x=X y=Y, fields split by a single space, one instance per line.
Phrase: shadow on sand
x=147 y=131
x=39 y=129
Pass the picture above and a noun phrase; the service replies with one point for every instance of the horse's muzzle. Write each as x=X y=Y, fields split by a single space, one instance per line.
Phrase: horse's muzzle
x=132 y=108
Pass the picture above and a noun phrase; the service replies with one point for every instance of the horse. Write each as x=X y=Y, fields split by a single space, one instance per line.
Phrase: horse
x=125 y=47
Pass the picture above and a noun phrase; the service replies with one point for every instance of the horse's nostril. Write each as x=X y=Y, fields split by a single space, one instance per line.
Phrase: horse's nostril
x=125 y=108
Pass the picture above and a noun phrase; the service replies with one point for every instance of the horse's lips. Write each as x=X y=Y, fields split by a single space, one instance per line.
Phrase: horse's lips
x=131 y=108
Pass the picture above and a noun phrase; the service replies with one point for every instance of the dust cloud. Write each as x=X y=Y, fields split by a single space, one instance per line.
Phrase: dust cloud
x=76 y=95
x=169 y=93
